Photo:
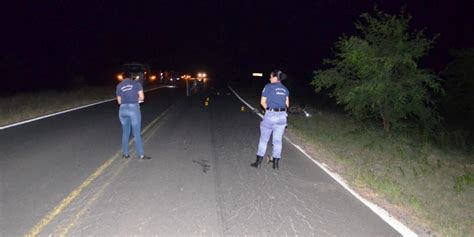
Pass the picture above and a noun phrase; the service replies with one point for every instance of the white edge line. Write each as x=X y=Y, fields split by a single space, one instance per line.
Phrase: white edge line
x=69 y=110
x=240 y=98
x=382 y=213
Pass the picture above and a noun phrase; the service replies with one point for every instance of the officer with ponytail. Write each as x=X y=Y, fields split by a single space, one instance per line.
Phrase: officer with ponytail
x=275 y=100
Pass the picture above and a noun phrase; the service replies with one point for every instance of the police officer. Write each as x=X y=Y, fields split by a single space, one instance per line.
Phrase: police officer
x=129 y=94
x=275 y=99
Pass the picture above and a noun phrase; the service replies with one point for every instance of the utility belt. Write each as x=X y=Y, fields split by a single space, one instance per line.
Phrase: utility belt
x=129 y=105
x=276 y=109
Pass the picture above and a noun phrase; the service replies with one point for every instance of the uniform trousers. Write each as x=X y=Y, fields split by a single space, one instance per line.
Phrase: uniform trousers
x=273 y=123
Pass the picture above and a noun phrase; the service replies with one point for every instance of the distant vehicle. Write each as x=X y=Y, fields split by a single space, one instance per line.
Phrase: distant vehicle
x=138 y=71
x=202 y=76
x=169 y=77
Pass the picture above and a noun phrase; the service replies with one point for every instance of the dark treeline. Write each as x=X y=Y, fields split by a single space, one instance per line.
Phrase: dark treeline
x=65 y=45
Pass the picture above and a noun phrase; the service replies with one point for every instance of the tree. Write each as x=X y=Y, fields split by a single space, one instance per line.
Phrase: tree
x=458 y=105
x=375 y=74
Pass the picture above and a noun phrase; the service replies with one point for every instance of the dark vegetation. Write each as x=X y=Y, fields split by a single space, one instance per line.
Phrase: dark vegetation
x=375 y=76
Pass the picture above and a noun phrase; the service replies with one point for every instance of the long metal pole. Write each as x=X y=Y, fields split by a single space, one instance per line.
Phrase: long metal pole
x=187 y=87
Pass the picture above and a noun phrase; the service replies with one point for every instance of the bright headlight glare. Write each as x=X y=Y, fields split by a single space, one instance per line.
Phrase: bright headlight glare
x=306 y=114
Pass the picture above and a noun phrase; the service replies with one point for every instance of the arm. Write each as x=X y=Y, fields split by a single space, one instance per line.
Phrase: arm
x=119 y=100
x=287 y=102
x=263 y=102
x=141 y=96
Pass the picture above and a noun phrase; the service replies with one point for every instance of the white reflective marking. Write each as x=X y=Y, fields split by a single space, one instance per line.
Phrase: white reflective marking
x=382 y=213
x=69 y=110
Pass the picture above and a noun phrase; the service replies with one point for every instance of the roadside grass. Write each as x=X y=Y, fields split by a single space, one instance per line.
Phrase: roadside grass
x=429 y=187
x=435 y=186
x=26 y=106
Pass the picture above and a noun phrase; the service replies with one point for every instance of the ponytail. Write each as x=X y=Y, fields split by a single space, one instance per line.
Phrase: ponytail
x=279 y=74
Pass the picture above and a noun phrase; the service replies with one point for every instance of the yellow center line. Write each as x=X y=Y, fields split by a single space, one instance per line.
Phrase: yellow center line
x=66 y=201
x=91 y=201
x=102 y=189
x=77 y=191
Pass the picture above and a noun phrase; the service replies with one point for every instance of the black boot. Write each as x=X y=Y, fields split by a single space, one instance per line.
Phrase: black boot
x=258 y=162
x=275 y=163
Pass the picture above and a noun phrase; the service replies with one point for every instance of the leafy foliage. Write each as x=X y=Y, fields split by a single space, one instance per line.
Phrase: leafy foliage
x=375 y=74
x=458 y=105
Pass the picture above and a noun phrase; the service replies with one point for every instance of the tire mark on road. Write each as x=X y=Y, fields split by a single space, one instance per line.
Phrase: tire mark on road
x=103 y=187
x=77 y=191
x=217 y=183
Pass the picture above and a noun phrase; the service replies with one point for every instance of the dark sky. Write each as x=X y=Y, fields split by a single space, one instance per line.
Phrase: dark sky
x=48 y=42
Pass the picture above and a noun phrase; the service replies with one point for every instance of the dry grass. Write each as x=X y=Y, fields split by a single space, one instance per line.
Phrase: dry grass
x=431 y=189
x=406 y=172
x=435 y=186
x=30 y=105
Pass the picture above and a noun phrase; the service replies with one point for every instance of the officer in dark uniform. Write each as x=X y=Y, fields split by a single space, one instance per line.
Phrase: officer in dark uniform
x=275 y=99
x=129 y=94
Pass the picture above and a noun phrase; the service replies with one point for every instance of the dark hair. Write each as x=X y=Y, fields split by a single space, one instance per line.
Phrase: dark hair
x=279 y=74
x=127 y=75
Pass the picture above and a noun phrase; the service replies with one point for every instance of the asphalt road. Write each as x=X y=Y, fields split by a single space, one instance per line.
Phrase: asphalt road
x=198 y=183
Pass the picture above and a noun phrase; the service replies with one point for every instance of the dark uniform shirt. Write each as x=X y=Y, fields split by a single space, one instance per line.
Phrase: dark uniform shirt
x=128 y=91
x=276 y=94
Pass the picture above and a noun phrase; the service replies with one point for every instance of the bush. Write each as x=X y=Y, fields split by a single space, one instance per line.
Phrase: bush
x=376 y=74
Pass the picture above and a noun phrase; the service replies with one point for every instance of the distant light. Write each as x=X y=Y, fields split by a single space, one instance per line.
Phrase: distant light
x=201 y=74
x=306 y=114
x=257 y=74
x=120 y=77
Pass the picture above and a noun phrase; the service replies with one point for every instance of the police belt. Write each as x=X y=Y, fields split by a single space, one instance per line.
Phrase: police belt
x=276 y=109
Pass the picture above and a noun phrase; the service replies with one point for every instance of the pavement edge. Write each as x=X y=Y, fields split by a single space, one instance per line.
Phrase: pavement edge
x=382 y=213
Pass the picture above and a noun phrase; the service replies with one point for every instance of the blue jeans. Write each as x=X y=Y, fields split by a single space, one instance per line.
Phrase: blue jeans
x=273 y=122
x=131 y=119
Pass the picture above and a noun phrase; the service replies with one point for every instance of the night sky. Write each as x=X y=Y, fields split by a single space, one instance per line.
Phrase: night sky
x=47 y=43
